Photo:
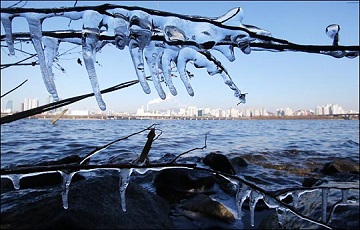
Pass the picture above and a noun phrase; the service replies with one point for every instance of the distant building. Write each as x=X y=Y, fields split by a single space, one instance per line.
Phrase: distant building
x=79 y=112
x=284 y=112
x=30 y=103
x=192 y=111
x=9 y=106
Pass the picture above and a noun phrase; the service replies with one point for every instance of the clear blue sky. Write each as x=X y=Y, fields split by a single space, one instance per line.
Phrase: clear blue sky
x=272 y=80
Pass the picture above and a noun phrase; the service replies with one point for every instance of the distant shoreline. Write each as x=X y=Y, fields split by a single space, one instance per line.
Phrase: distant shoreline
x=133 y=117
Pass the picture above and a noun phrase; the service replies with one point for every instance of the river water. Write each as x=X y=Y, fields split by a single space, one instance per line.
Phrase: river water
x=279 y=153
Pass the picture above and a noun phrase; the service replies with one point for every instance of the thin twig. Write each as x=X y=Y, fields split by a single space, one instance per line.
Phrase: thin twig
x=14 y=88
x=204 y=147
x=58 y=104
x=4 y=66
x=98 y=149
x=144 y=156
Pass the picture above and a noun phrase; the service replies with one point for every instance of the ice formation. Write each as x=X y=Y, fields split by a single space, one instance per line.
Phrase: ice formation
x=65 y=186
x=15 y=179
x=163 y=39
x=242 y=194
x=124 y=179
x=254 y=198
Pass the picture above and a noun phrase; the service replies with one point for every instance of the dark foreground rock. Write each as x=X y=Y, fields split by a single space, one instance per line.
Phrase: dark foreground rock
x=94 y=203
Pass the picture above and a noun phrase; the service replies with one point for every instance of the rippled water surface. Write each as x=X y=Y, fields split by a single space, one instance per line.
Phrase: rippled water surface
x=279 y=153
x=271 y=147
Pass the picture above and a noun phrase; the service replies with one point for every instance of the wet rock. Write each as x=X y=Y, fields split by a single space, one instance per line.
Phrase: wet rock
x=342 y=166
x=239 y=161
x=228 y=187
x=309 y=181
x=205 y=205
x=270 y=221
x=219 y=162
x=176 y=184
x=94 y=203
x=47 y=179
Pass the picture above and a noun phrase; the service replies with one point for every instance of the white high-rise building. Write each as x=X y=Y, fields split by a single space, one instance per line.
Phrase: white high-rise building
x=318 y=110
x=336 y=109
x=234 y=112
x=326 y=109
x=192 y=111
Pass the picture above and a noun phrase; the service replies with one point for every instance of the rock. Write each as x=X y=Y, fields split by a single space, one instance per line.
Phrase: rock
x=340 y=165
x=94 y=203
x=309 y=181
x=239 y=161
x=228 y=187
x=205 y=205
x=176 y=184
x=219 y=162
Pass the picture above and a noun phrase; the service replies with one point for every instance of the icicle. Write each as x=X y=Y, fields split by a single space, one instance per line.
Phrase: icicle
x=65 y=185
x=35 y=24
x=152 y=56
x=138 y=61
x=6 y=20
x=140 y=33
x=344 y=193
x=185 y=55
x=325 y=195
x=170 y=54
x=254 y=198
x=242 y=194
x=15 y=179
x=51 y=46
x=90 y=39
x=124 y=179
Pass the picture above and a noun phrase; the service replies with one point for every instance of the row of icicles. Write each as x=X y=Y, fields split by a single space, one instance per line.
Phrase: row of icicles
x=244 y=192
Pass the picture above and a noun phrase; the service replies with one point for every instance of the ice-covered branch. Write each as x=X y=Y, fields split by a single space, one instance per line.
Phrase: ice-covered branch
x=161 y=37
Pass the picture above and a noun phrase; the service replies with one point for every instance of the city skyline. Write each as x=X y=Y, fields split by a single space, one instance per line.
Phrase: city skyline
x=327 y=109
x=272 y=80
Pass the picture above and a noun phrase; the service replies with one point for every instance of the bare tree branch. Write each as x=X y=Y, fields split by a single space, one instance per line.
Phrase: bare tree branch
x=58 y=104
x=204 y=147
x=14 y=88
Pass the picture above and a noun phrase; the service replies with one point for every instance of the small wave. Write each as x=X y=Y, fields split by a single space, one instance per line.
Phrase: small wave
x=351 y=143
